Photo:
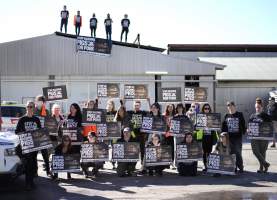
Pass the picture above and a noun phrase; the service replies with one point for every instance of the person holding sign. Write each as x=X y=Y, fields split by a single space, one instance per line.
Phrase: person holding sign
x=28 y=123
x=125 y=23
x=155 y=142
x=93 y=25
x=91 y=104
x=169 y=114
x=65 y=148
x=64 y=20
x=41 y=112
x=272 y=112
x=92 y=139
x=77 y=23
x=56 y=114
x=122 y=116
x=259 y=147
x=208 y=137
x=108 y=26
x=125 y=168
x=187 y=168
x=234 y=125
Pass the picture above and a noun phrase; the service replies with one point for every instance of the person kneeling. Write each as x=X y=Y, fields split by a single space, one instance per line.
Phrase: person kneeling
x=92 y=138
x=125 y=168
x=187 y=168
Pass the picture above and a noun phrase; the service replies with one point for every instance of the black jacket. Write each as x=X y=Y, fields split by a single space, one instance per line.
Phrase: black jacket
x=234 y=124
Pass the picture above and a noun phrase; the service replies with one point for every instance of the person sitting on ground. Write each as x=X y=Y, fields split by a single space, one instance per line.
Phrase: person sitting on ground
x=64 y=148
x=155 y=142
x=125 y=168
x=92 y=139
x=187 y=168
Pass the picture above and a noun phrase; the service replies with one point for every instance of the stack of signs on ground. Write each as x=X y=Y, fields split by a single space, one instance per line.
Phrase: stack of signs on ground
x=180 y=126
x=109 y=130
x=52 y=125
x=55 y=93
x=135 y=92
x=66 y=163
x=108 y=90
x=211 y=121
x=96 y=46
x=154 y=125
x=170 y=94
x=36 y=140
x=158 y=155
x=125 y=152
x=98 y=152
x=93 y=116
x=222 y=164
x=188 y=152
x=74 y=134
x=260 y=130
x=198 y=94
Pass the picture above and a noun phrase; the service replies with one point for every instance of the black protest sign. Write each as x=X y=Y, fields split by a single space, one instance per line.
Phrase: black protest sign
x=36 y=140
x=160 y=155
x=198 y=94
x=110 y=90
x=260 y=130
x=94 y=152
x=52 y=125
x=180 y=126
x=188 y=152
x=154 y=125
x=210 y=121
x=170 y=94
x=135 y=91
x=136 y=119
x=125 y=152
x=74 y=134
x=66 y=163
x=55 y=93
x=93 y=116
x=109 y=130
x=96 y=46
x=221 y=164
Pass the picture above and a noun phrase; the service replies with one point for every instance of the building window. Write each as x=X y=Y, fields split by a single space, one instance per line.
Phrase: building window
x=191 y=78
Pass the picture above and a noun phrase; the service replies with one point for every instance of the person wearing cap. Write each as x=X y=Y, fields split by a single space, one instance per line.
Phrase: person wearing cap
x=125 y=23
x=92 y=139
x=272 y=112
x=125 y=168
x=41 y=112
x=234 y=125
x=259 y=147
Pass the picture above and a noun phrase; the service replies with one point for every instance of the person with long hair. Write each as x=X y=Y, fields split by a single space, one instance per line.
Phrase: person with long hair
x=208 y=137
x=74 y=118
x=169 y=114
x=187 y=168
x=65 y=148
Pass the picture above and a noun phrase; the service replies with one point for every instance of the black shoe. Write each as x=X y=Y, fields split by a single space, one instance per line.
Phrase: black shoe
x=69 y=176
x=204 y=170
x=150 y=173
x=240 y=171
x=142 y=172
x=259 y=171
x=273 y=145
x=266 y=166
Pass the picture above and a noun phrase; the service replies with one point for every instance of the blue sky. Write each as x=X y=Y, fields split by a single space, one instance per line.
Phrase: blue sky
x=159 y=22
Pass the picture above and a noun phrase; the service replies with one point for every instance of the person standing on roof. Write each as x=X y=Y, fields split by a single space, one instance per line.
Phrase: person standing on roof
x=125 y=23
x=77 y=23
x=93 y=25
x=108 y=26
x=64 y=20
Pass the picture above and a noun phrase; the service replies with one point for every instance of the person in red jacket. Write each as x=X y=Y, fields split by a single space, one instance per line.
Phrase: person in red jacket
x=77 y=23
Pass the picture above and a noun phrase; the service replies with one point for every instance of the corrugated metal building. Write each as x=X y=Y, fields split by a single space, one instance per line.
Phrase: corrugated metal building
x=28 y=65
x=251 y=71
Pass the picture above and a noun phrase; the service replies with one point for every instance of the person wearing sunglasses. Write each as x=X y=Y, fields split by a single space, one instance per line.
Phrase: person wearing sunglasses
x=28 y=122
x=234 y=125
x=208 y=137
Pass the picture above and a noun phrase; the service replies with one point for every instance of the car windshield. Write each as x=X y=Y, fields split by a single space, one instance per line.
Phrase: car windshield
x=12 y=111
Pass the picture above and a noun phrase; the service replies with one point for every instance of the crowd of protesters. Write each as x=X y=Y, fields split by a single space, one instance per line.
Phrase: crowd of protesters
x=93 y=24
x=227 y=141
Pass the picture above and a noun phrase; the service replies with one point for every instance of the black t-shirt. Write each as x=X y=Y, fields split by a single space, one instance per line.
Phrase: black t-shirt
x=125 y=23
x=73 y=122
x=234 y=124
x=64 y=14
x=272 y=111
x=108 y=22
x=26 y=123
x=260 y=117
x=93 y=22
